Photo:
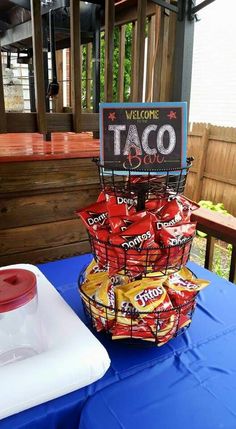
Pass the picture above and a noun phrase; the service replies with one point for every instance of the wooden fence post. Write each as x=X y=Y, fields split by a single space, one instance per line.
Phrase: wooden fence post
x=109 y=46
x=201 y=164
x=209 y=253
x=232 y=272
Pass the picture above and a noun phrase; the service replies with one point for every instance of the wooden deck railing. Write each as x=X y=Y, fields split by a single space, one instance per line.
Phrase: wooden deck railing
x=217 y=226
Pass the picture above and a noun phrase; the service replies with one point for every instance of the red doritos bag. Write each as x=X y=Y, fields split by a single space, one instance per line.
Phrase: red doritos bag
x=94 y=216
x=177 y=241
x=169 y=215
x=136 y=247
x=121 y=223
x=119 y=205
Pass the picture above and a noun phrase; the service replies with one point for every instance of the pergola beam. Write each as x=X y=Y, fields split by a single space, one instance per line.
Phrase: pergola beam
x=183 y=53
x=200 y=6
x=166 y=5
x=22 y=3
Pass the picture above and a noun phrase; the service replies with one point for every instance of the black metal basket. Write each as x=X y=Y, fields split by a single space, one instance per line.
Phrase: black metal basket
x=142 y=261
x=165 y=324
x=147 y=183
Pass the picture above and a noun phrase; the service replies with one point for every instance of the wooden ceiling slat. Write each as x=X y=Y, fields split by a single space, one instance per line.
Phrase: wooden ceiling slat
x=38 y=65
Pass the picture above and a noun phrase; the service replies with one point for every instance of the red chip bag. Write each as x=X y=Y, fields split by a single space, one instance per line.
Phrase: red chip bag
x=105 y=255
x=101 y=197
x=119 y=205
x=147 y=179
x=155 y=205
x=138 y=331
x=169 y=215
x=178 y=240
x=187 y=204
x=182 y=288
x=135 y=246
x=94 y=216
x=121 y=223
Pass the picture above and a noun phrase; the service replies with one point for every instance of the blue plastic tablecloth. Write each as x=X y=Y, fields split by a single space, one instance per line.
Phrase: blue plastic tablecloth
x=151 y=387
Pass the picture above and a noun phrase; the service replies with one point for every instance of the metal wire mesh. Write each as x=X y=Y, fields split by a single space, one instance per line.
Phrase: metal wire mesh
x=150 y=184
x=133 y=262
x=156 y=327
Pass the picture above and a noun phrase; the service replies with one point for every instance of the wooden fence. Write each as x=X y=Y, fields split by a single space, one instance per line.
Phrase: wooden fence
x=213 y=175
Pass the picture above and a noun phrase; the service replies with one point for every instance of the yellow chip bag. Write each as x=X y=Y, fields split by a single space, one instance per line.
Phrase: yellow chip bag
x=148 y=295
x=91 y=269
x=125 y=309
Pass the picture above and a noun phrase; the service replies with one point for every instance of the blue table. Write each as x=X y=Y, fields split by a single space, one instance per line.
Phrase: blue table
x=139 y=380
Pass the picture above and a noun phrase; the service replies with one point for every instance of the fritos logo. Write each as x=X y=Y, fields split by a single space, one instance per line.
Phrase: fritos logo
x=143 y=298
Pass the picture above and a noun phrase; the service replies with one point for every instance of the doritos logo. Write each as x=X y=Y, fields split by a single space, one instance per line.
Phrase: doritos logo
x=135 y=242
x=94 y=218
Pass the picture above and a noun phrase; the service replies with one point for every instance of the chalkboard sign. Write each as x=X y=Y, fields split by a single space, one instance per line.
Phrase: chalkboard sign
x=143 y=136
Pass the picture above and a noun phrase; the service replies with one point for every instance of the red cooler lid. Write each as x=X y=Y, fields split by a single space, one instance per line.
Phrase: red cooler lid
x=17 y=287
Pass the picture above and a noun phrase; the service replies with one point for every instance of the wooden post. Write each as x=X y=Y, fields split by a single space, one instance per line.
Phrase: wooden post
x=209 y=253
x=150 y=57
x=121 y=63
x=159 y=27
x=38 y=65
x=75 y=63
x=164 y=62
x=201 y=164
x=57 y=102
x=170 y=55
x=133 y=60
x=68 y=77
x=3 y=124
x=88 y=75
x=109 y=46
x=140 y=44
x=232 y=272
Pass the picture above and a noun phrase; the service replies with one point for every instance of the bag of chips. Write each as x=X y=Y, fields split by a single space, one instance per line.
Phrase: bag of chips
x=182 y=287
x=94 y=216
x=120 y=205
x=135 y=246
x=169 y=215
x=121 y=223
